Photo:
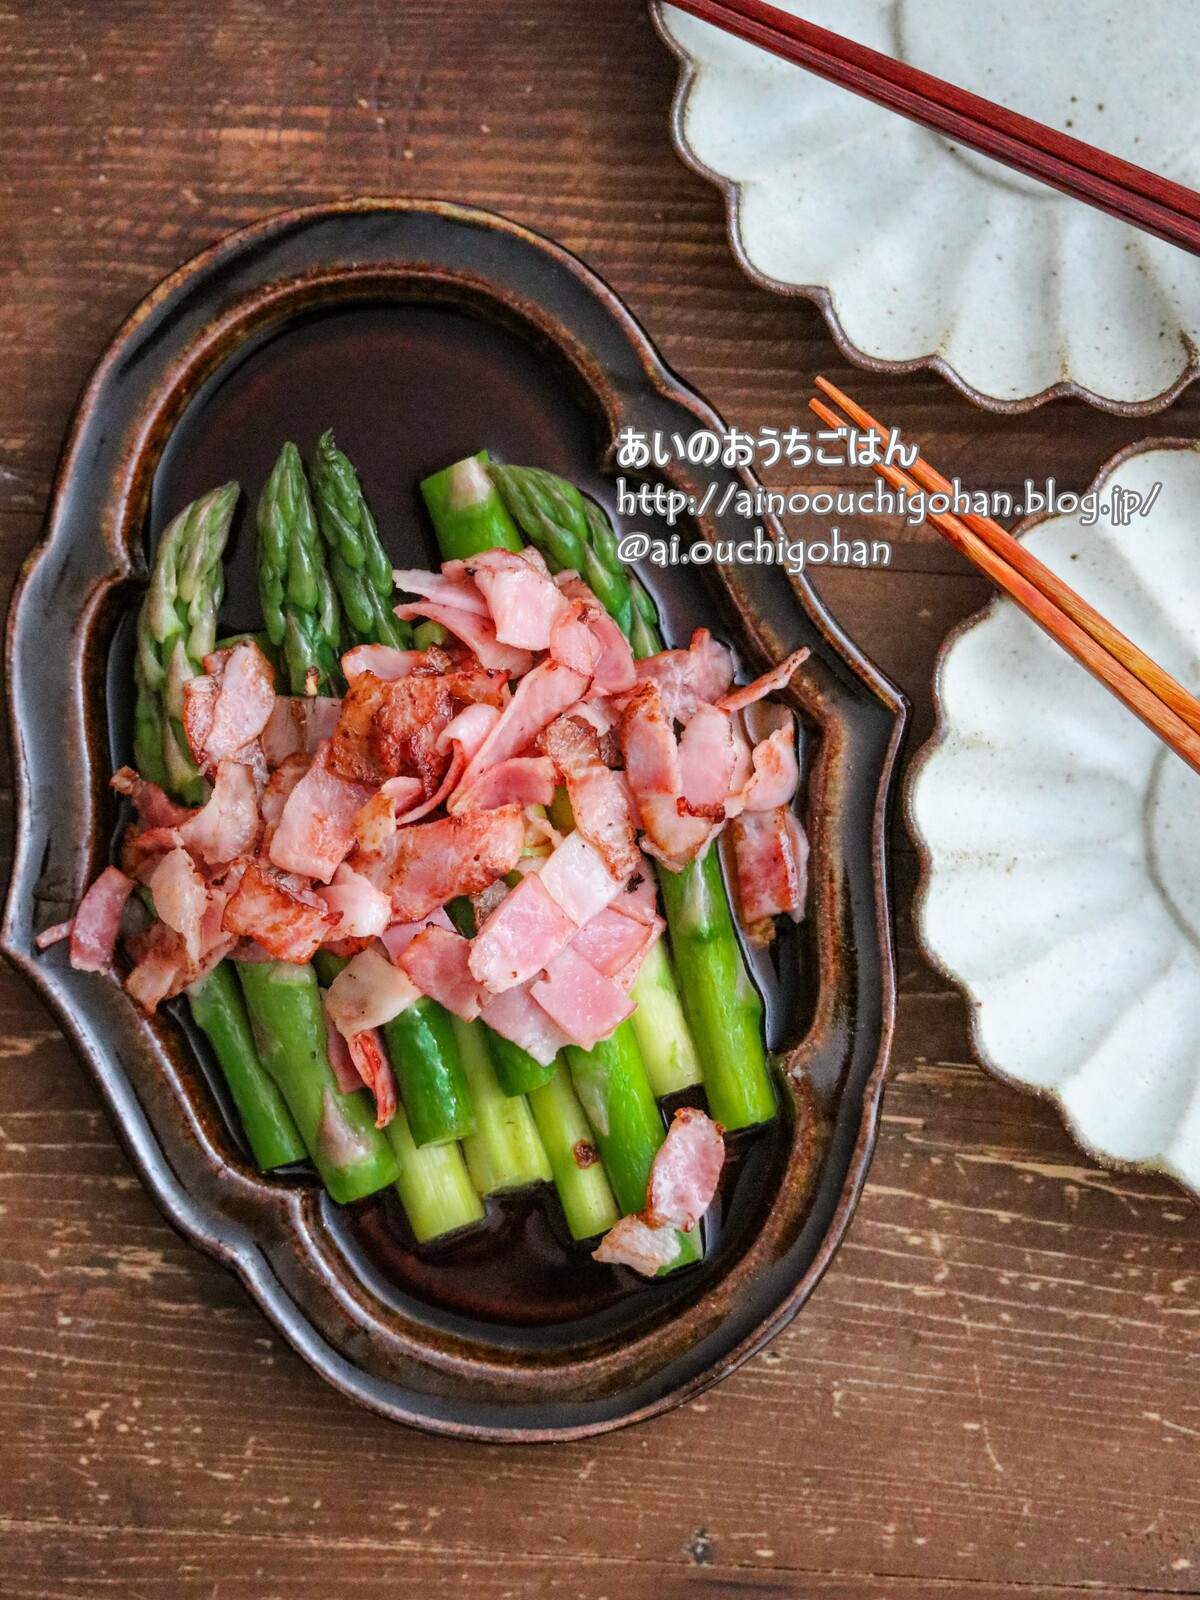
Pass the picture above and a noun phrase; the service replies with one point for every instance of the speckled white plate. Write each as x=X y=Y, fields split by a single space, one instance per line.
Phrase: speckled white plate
x=1061 y=839
x=922 y=253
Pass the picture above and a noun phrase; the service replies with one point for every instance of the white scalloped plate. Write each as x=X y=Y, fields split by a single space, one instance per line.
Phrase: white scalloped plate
x=1061 y=839
x=921 y=253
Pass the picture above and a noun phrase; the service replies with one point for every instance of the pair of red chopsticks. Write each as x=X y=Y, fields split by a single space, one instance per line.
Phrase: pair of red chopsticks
x=1162 y=703
x=1131 y=193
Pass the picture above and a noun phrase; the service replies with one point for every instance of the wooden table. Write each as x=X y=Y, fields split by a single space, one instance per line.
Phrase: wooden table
x=990 y=1393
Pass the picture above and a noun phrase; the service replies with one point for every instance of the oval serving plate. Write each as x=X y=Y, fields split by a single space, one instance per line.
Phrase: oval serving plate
x=421 y=331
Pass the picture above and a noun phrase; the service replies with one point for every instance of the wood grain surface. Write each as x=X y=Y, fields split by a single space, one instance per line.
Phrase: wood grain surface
x=991 y=1393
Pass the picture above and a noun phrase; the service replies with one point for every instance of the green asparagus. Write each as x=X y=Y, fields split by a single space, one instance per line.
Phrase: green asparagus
x=176 y=629
x=350 y=1153
x=719 y=998
x=434 y=1185
x=579 y=1176
x=505 y=1151
x=358 y=563
x=299 y=603
x=220 y=1011
x=614 y=1090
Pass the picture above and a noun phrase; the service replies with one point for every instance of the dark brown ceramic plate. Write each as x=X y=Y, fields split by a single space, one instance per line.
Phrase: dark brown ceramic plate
x=421 y=331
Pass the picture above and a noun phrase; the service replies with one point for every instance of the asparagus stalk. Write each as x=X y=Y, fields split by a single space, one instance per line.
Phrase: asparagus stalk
x=299 y=603
x=433 y=1084
x=176 y=629
x=358 y=563
x=505 y=1151
x=434 y=1185
x=719 y=999
x=579 y=1176
x=351 y=1154
x=614 y=1090
x=220 y=1011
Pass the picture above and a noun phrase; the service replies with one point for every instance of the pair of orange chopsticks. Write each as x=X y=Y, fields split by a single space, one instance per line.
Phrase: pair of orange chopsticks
x=1162 y=703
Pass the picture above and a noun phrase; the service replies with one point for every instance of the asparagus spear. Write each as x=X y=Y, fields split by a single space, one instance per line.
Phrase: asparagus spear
x=719 y=999
x=176 y=628
x=299 y=603
x=579 y=1176
x=614 y=1090
x=220 y=1010
x=434 y=1185
x=505 y=1151
x=433 y=1084
x=350 y=1153
x=283 y=999
x=358 y=563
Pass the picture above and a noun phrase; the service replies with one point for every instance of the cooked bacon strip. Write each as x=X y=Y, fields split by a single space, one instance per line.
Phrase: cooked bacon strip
x=452 y=586
x=375 y=1070
x=585 y=1004
x=222 y=725
x=776 y=774
x=616 y=944
x=541 y=695
x=673 y=832
x=631 y=1242
x=228 y=825
x=425 y=865
x=685 y=1171
x=437 y=962
x=477 y=632
x=397 y=936
x=350 y=753
x=406 y=727
x=523 y=935
x=153 y=807
x=686 y=678
x=522 y=600
x=778 y=678
x=364 y=911
x=520 y=781
x=297 y=725
x=54 y=934
x=707 y=756
x=368 y=992
x=98 y=920
x=383 y=661
x=161 y=969
x=639 y=898
x=340 y=1059
x=516 y=1015
x=572 y=643
x=316 y=830
x=599 y=799
x=289 y=922
x=683 y=1180
x=180 y=898
x=577 y=878
x=588 y=639
x=770 y=853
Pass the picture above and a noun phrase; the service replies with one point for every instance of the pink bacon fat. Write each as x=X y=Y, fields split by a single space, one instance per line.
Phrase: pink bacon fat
x=683 y=1181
